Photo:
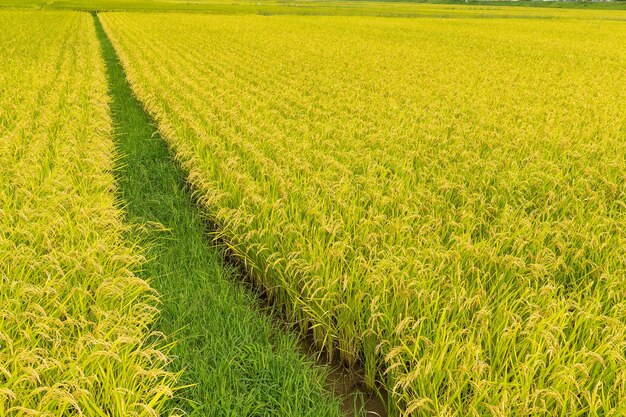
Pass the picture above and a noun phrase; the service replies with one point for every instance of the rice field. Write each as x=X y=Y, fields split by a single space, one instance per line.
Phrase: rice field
x=434 y=194
x=443 y=203
x=75 y=336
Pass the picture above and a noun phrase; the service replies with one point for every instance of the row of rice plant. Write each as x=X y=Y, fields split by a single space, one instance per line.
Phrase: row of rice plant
x=74 y=320
x=441 y=200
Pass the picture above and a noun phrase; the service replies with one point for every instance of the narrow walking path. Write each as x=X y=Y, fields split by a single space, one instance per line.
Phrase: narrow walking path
x=237 y=361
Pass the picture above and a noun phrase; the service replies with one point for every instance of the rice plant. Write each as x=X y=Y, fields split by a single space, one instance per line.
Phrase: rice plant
x=441 y=200
x=75 y=334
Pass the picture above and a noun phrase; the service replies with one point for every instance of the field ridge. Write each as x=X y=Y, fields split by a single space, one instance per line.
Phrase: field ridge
x=234 y=361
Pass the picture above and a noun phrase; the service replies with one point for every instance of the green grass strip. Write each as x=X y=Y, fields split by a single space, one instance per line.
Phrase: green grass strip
x=239 y=362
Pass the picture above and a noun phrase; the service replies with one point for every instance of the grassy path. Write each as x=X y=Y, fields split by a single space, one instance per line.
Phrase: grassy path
x=240 y=363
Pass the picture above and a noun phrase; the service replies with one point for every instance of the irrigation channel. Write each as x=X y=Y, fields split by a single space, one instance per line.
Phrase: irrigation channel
x=239 y=357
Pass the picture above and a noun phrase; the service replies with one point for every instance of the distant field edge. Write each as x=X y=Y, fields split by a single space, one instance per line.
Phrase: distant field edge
x=391 y=8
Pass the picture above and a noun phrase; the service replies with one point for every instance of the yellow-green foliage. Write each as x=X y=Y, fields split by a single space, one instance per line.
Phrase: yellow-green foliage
x=442 y=199
x=74 y=337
